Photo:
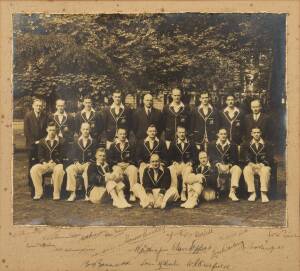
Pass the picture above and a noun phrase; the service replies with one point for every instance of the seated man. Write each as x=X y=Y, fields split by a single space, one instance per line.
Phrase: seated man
x=259 y=158
x=51 y=151
x=156 y=183
x=201 y=183
x=150 y=145
x=121 y=158
x=224 y=156
x=81 y=155
x=182 y=154
x=100 y=180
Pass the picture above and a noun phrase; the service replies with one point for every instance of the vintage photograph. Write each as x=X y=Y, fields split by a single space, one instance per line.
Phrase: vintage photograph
x=149 y=119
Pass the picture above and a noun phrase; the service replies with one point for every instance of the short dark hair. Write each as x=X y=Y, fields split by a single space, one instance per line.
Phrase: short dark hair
x=255 y=127
x=117 y=91
x=51 y=123
x=230 y=95
x=122 y=129
x=204 y=92
x=87 y=97
x=152 y=126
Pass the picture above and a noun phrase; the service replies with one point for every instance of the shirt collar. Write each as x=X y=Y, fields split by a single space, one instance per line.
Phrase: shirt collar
x=55 y=138
x=234 y=110
x=206 y=165
x=147 y=139
x=184 y=141
x=104 y=165
x=209 y=106
x=117 y=141
x=227 y=142
x=63 y=114
x=81 y=137
x=83 y=110
x=175 y=105
x=114 y=106
x=261 y=141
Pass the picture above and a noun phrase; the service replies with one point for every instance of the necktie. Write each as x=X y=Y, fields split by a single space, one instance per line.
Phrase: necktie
x=182 y=145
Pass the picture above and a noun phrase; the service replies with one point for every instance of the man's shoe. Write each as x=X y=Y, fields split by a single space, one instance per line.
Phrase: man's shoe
x=252 y=196
x=132 y=197
x=264 y=197
x=183 y=196
x=37 y=197
x=72 y=197
x=233 y=196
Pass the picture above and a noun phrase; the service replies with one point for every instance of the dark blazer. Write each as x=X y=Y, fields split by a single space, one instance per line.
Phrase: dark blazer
x=144 y=152
x=210 y=175
x=115 y=155
x=163 y=179
x=141 y=122
x=78 y=153
x=96 y=176
x=172 y=120
x=34 y=129
x=264 y=153
x=188 y=154
x=234 y=126
x=111 y=121
x=94 y=120
x=227 y=156
x=66 y=127
x=56 y=153
x=202 y=125
x=264 y=122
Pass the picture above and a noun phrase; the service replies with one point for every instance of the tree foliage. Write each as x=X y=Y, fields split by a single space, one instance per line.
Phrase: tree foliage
x=72 y=55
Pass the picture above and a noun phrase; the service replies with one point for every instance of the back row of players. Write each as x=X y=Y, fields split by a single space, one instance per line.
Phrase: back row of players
x=202 y=146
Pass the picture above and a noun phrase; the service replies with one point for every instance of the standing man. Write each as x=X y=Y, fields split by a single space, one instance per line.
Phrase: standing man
x=89 y=115
x=144 y=117
x=121 y=157
x=224 y=156
x=115 y=117
x=182 y=155
x=175 y=114
x=51 y=150
x=81 y=155
x=259 y=159
x=150 y=145
x=259 y=119
x=232 y=119
x=204 y=122
x=35 y=125
x=64 y=122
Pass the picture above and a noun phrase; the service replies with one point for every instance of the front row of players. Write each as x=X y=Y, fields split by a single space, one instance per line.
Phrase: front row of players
x=151 y=172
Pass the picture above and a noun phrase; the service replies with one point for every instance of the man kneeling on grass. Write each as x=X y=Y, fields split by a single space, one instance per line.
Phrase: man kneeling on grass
x=201 y=183
x=155 y=190
x=102 y=180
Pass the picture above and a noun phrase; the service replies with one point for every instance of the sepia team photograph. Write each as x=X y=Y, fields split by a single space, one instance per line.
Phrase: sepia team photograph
x=149 y=119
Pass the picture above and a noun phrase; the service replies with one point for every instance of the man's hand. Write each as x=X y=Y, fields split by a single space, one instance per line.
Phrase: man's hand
x=189 y=164
x=86 y=164
x=175 y=164
x=37 y=142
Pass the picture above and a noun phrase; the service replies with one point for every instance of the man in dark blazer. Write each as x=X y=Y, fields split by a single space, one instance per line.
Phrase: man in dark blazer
x=80 y=154
x=259 y=119
x=156 y=187
x=64 y=122
x=35 y=124
x=258 y=155
x=51 y=152
x=204 y=122
x=144 y=117
x=150 y=145
x=182 y=155
x=232 y=119
x=175 y=114
x=102 y=180
x=89 y=115
x=224 y=157
x=121 y=157
x=114 y=117
x=201 y=183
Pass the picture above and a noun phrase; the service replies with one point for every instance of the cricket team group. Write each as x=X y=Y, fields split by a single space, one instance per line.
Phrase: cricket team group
x=155 y=157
